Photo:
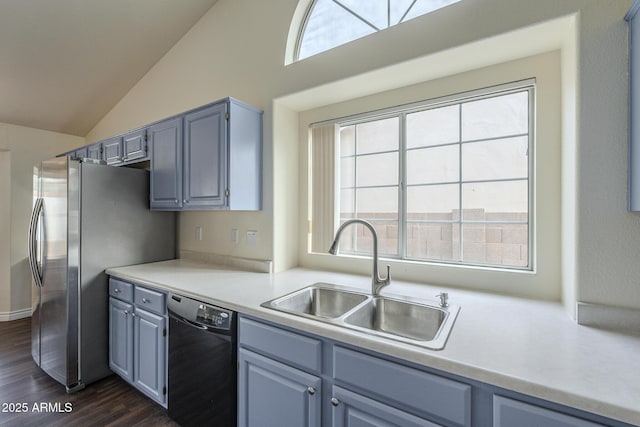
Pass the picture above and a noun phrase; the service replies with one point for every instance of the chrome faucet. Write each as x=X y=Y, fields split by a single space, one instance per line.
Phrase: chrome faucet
x=377 y=283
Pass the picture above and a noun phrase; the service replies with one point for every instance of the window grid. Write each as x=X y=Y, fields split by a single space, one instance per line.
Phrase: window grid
x=403 y=221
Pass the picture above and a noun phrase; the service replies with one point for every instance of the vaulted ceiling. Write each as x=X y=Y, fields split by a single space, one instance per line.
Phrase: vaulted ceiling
x=65 y=63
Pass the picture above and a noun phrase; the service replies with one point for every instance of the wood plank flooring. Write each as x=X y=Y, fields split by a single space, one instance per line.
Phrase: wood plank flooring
x=109 y=402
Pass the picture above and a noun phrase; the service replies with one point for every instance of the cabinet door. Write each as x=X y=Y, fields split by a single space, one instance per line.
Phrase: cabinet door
x=121 y=338
x=149 y=366
x=513 y=413
x=273 y=394
x=205 y=157
x=350 y=409
x=165 y=139
x=134 y=145
x=112 y=150
x=95 y=151
x=81 y=153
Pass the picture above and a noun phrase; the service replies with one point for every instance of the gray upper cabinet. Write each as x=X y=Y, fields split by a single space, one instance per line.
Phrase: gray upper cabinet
x=134 y=145
x=216 y=164
x=634 y=106
x=208 y=158
x=205 y=153
x=112 y=150
x=94 y=151
x=165 y=139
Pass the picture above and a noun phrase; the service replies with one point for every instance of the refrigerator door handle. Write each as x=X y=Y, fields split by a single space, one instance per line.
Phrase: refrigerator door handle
x=33 y=229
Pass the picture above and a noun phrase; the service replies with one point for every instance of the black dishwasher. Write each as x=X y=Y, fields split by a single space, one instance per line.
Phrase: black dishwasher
x=202 y=388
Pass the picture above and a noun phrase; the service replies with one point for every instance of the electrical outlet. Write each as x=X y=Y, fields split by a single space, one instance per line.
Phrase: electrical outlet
x=252 y=237
x=235 y=236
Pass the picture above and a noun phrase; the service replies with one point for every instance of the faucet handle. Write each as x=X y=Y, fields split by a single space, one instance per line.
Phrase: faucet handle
x=444 y=299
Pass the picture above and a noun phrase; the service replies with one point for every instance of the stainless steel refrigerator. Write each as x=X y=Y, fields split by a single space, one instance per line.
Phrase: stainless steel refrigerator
x=86 y=217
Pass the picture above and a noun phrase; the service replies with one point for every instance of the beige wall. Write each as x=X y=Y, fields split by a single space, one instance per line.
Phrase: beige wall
x=20 y=149
x=238 y=49
x=545 y=283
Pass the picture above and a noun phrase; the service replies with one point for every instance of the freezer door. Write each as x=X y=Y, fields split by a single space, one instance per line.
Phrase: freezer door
x=59 y=292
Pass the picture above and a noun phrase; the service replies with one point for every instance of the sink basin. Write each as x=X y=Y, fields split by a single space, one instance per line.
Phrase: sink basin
x=401 y=318
x=318 y=301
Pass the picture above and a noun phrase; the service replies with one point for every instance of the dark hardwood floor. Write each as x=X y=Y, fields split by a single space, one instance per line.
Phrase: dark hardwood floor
x=24 y=386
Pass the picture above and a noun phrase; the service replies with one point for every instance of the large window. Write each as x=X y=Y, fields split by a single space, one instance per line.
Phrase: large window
x=331 y=23
x=443 y=181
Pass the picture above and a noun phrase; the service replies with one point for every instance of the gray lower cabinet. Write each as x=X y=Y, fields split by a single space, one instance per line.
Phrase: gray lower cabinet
x=292 y=378
x=138 y=337
x=274 y=394
x=289 y=379
x=121 y=338
x=514 y=413
x=352 y=409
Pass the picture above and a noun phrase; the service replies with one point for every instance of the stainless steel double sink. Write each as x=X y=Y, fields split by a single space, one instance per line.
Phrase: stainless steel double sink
x=401 y=319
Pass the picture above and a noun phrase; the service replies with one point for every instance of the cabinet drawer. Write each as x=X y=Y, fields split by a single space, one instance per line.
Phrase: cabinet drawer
x=513 y=413
x=153 y=301
x=121 y=290
x=294 y=349
x=419 y=391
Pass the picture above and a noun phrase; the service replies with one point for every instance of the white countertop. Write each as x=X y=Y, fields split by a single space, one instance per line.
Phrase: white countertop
x=531 y=347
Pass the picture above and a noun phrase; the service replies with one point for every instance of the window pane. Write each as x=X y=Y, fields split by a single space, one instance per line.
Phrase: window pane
x=347 y=203
x=433 y=165
x=496 y=244
x=398 y=9
x=374 y=11
x=347 y=140
x=357 y=238
x=377 y=169
x=495 y=159
x=376 y=136
x=347 y=172
x=328 y=26
x=433 y=240
x=377 y=202
x=500 y=198
x=433 y=127
x=495 y=117
x=432 y=202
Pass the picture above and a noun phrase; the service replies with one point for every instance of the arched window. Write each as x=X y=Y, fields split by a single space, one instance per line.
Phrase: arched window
x=331 y=23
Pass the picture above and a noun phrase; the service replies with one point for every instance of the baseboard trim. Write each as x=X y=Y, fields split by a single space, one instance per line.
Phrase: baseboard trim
x=8 y=316
x=608 y=317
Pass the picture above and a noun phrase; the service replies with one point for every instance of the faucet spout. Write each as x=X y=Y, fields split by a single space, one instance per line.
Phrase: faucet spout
x=377 y=283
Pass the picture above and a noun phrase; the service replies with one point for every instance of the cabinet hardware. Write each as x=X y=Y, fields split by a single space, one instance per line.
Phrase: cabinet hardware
x=311 y=391
x=144 y=300
x=335 y=401
x=226 y=116
x=116 y=290
x=226 y=192
x=126 y=312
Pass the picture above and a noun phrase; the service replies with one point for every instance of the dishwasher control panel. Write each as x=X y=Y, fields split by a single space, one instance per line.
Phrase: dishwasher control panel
x=214 y=316
x=199 y=313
